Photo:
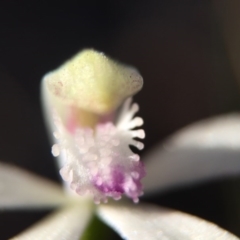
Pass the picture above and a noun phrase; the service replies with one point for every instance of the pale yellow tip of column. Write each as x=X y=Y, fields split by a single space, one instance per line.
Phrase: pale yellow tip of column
x=94 y=82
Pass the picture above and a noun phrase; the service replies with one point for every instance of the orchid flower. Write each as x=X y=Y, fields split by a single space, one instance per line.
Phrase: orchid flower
x=88 y=109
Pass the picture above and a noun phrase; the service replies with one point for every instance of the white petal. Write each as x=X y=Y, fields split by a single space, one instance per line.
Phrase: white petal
x=205 y=150
x=20 y=189
x=67 y=224
x=134 y=222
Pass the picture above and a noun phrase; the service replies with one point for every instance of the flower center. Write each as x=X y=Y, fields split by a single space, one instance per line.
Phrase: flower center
x=93 y=149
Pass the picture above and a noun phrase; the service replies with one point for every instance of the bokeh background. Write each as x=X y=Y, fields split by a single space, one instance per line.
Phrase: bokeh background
x=187 y=51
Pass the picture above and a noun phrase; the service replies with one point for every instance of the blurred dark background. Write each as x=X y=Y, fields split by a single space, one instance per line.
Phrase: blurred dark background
x=185 y=50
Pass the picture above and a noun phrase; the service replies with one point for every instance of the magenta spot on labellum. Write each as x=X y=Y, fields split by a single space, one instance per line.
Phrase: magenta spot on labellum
x=142 y=173
x=113 y=184
x=71 y=124
x=140 y=168
x=119 y=182
x=133 y=187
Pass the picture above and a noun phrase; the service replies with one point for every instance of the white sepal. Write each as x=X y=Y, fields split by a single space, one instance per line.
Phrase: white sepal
x=134 y=222
x=206 y=150
x=21 y=189
x=68 y=223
